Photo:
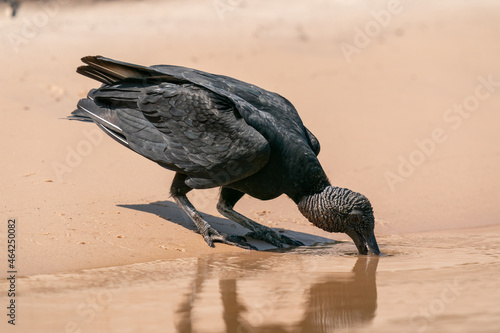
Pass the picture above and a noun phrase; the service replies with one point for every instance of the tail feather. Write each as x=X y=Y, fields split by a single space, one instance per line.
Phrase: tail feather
x=95 y=74
x=112 y=70
x=112 y=94
x=120 y=138
x=106 y=117
x=118 y=94
x=109 y=71
x=80 y=116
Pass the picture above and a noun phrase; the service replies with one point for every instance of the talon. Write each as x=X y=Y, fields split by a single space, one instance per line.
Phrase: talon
x=236 y=238
x=290 y=241
x=273 y=238
x=269 y=237
x=209 y=241
x=210 y=235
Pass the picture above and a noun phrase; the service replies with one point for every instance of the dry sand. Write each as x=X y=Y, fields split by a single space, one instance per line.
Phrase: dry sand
x=407 y=113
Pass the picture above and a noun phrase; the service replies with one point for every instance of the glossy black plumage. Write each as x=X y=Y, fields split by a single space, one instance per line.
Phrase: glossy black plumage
x=215 y=130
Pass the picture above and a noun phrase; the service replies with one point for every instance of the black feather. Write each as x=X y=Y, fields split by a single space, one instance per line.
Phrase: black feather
x=215 y=130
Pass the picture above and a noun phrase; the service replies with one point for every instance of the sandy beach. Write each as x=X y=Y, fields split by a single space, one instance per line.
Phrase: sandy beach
x=403 y=96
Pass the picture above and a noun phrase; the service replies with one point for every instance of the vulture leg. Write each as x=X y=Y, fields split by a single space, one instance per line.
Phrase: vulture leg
x=179 y=189
x=227 y=200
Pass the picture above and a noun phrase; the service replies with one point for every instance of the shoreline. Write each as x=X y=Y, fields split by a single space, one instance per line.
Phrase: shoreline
x=82 y=201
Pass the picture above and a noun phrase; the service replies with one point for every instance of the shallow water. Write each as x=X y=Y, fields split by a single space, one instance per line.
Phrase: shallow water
x=424 y=283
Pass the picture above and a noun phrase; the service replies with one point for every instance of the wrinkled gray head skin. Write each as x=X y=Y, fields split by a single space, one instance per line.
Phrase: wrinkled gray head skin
x=342 y=210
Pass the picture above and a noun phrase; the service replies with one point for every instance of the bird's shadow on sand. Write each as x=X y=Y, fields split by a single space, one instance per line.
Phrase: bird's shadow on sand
x=171 y=212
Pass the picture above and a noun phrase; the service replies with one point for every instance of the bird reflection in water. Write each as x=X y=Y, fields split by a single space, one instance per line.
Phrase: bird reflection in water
x=329 y=301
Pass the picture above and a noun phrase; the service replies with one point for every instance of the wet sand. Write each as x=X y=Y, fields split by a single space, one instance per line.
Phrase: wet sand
x=407 y=114
x=309 y=289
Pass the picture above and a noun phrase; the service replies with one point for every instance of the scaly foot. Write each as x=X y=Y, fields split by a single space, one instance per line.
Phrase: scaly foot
x=210 y=235
x=272 y=237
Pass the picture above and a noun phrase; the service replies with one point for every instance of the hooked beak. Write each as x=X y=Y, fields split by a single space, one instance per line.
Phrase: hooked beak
x=361 y=240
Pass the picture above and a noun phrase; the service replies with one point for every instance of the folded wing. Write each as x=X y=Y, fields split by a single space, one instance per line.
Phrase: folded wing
x=181 y=126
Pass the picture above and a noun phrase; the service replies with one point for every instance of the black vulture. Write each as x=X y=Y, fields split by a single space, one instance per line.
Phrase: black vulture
x=217 y=131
